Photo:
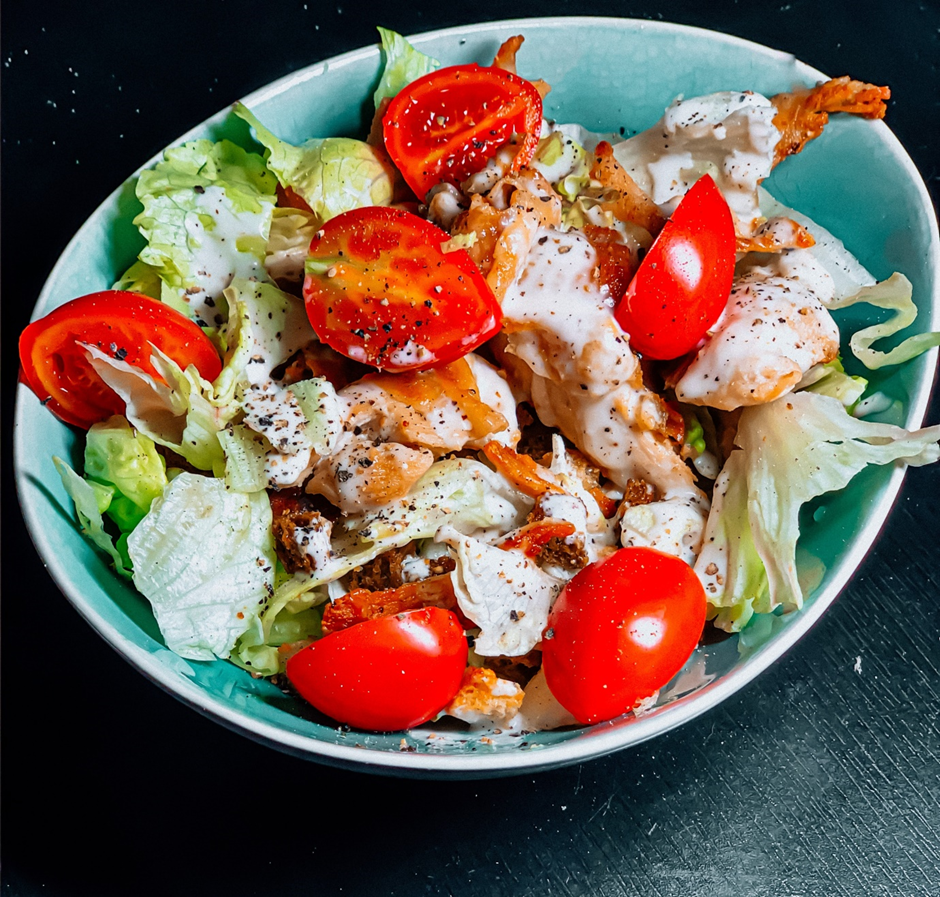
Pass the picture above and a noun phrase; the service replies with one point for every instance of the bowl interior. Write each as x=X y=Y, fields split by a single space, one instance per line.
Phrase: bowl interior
x=609 y=75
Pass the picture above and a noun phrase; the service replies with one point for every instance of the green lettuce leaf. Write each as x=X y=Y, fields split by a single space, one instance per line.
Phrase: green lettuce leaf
x=323 y=409
x=563 y=162
x=333 y=175
x=204 y=558
x=265 y=327
x=403 y=64
x=790 y=451
x=894 y=294
x=178 y=413
x=141 y=278
x=830 y=379
x=288 y=242
x=118 y=456
x=186 y=413
x=245 y=454
x=207 y=214
x=257 y=649
x=91 y=502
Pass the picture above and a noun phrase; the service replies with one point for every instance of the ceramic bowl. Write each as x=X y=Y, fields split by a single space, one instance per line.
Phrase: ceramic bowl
x=607 y=74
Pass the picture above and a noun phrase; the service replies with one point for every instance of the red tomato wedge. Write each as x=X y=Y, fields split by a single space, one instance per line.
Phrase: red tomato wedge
x=385 y=674
x=684 y=281
x=620 y=630
x=380 y=289
x=447 y=124
x=123 y=325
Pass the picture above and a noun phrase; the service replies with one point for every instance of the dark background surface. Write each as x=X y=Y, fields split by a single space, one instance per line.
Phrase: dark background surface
x=821 y=777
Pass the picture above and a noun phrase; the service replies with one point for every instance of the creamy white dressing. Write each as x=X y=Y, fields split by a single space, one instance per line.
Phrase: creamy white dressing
x=287 y=470
x=562 y=506
x=558 y=317
x=230 y=245
x=584 y=378
x=772 y=331
x=314 y=540
x=729 y=135
x=440 y=423
x=411 y=353
x=414 y=568
x=494 y=390
x=796 y=265
x=272 y=410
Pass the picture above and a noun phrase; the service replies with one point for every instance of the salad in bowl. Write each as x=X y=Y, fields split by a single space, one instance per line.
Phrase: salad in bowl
x=485 y=417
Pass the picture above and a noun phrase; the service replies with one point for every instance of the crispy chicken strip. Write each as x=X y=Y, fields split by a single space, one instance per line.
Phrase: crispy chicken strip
x=776 y=235
x=505 y=59
x=802 y=114
x=632 y=204
x=360 y=605
x=505 y=223
x=774 y=329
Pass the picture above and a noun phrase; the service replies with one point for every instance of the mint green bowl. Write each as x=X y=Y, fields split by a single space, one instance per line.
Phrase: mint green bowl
x=606 y=74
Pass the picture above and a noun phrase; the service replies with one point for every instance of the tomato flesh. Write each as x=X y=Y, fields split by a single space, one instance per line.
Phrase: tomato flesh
x=446 y=125
x=121 y=324
x=620 y=630
x=385 y=674
x=381 y=290
x=683 y=283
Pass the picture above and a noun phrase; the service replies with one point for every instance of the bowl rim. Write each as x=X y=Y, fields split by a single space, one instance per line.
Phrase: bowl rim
x=605 y=737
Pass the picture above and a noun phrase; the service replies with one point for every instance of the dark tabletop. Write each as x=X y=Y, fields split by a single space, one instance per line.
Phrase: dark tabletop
x=821 y=777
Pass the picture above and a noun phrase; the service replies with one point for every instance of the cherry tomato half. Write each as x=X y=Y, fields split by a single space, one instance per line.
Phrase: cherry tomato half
x=385 y=674
x=684 y=281
x=621 y=629
x=123 y=325
x=447 y=124
x=380 y=290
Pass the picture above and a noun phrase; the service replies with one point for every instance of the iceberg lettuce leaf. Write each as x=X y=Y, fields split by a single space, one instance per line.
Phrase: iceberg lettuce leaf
x=288 y=242
x=265 y=327
x=257 y=649
x=207 y=214
x=141 y=278
x=245 y=453
x=186 y=413
x=118 y=456
x=830 y=379
x=91 y=500
x=403 y=64
x=332 y=175
x=204 y=559
x=789 y=451
x=894 y=294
